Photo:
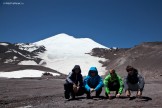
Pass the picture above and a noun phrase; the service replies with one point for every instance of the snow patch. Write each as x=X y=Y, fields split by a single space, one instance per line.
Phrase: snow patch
x=24 y=73
x=4 y=44
x=115 y=48
x=42 y=63
x=65 y=65
x=28 y=47
x=8 y=61
x=14 y=57
x=8 y=51
x=27 y=62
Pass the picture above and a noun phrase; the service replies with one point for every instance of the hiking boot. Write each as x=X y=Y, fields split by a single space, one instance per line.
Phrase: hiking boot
x=128 y=94
x=106 y=94
x=97 y=96
x=66 y=94
x=72 y=95
x=88 y=96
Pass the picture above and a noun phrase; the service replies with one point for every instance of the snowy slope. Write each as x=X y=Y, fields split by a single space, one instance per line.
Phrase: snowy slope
x=24 y=73
x=64 y=51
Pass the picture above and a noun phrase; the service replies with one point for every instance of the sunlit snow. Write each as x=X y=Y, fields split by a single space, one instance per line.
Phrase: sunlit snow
x=24 y=73
x=64 y=51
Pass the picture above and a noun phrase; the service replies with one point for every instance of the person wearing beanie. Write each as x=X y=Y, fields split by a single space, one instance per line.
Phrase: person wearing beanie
x=74 y=83
x=113 y=82
x=133 y=82
x=93 y=83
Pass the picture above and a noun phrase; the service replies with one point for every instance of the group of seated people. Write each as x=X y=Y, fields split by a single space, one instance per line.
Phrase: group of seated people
x=76 y=86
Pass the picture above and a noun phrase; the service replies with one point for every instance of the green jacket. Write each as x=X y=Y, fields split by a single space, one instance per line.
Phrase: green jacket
x=108 y=79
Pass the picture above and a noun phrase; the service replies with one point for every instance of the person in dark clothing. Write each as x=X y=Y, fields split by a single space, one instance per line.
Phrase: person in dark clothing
x=133 y=82
x=93 y=83
x=74 y=83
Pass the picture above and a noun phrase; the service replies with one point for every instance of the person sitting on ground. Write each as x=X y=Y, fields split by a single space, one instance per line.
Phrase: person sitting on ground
x=113 y=82
x=93 y=83
x=133 y=82
x=74 y=83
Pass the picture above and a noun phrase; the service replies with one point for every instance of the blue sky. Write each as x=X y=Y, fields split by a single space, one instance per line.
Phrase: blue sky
x=120 y=23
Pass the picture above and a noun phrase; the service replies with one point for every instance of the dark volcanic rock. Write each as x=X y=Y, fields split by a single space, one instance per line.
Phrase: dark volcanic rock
x=146 y=57
x=15 y=53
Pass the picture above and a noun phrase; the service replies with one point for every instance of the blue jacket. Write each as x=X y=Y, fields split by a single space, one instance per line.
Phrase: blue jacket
x=93 y=82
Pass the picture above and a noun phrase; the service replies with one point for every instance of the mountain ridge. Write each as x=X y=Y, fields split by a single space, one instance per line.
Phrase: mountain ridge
x=60 y=53
x=146 y=57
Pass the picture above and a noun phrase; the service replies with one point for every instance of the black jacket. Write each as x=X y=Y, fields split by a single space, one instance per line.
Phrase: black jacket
x=74 y=78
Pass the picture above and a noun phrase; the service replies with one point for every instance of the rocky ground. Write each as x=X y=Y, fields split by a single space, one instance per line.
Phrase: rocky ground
x=48 y=93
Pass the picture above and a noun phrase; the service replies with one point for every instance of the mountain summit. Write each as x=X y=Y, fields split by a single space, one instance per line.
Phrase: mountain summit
x=64 y=51
x=65 y=44
x=60 y=52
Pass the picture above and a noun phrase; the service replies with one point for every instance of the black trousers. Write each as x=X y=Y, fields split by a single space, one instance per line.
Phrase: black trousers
x=68 y=90
x=113 y=86
x=98 y=92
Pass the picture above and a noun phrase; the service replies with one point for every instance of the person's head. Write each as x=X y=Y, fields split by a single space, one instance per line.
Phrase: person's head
x=76 y=69
x=130 y=70
x=112 y=72
x=93 y=72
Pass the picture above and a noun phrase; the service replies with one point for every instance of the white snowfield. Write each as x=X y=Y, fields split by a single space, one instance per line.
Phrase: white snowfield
x=64 y=51
x=24 y=73
x=27 y=62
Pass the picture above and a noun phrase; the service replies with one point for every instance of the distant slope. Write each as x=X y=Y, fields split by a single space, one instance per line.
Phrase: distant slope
x=146 y=57
x=15 y=53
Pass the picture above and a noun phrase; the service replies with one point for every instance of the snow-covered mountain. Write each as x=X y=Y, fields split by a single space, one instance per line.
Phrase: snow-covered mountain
x=64 y=51
x=60 y=52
